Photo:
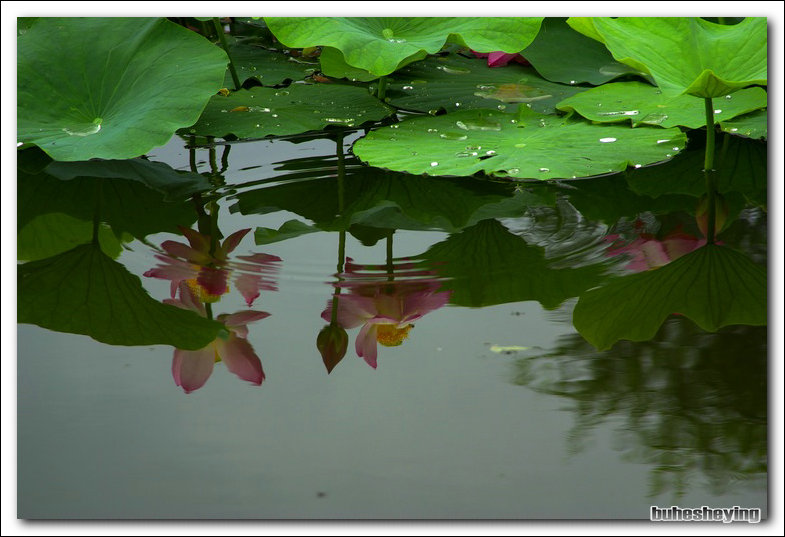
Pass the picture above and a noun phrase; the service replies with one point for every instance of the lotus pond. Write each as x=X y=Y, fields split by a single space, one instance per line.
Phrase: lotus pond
x=391 y=268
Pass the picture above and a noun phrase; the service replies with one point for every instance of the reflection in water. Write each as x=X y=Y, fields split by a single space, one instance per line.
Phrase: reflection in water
x=693 y=404
x=206 y=267
x=384 y=304
x=191 y=369
x=199 y=272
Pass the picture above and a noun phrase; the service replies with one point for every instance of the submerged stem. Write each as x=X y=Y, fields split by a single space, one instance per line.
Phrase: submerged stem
x=222 y=39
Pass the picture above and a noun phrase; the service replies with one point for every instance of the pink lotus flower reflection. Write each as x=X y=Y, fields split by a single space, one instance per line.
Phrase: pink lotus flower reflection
x=385 y=309
x=208 y=275
x=191 y=369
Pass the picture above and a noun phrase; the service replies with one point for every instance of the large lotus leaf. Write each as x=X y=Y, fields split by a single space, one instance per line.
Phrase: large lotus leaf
x=486 y=264
x=375 y=198
x=687 y=54
x=83 y=291
x=453 y=82
x=380 y=44
x=560 y=54
x=714 y=286
x=755 y=125
x=742 y=167
x=524 y=145
x=126 y=205
x=643 y=104
x=111 y=87
x=260 y=112
x=269 y=67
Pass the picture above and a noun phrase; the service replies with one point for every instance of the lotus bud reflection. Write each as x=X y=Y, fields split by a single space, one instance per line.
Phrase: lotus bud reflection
x=332 y=342
x=385 y=309
x=191 y=369
x=702 y=214
x=206 y=274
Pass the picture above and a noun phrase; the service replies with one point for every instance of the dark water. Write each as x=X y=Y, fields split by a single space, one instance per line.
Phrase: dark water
x=488 y=403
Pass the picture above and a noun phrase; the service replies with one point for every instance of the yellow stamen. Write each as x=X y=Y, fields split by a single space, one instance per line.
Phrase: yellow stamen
x=390 y=335
x=202 y=294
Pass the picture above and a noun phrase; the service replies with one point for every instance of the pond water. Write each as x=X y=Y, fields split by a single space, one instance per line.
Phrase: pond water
x=476 y=397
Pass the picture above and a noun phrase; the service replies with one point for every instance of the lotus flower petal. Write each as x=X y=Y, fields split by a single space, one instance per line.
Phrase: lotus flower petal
x=240 y=358
x=191 y=369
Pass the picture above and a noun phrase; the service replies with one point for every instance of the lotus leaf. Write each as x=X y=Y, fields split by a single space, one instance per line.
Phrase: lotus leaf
x=526 y=145
x=643 y=104
x=560 y=54
x=111 y=87
x=714 y=286
x=380 y=44
x=260 y=112
x=753 y=125
x=686 y=54
x=269 y=67
x=453 y=82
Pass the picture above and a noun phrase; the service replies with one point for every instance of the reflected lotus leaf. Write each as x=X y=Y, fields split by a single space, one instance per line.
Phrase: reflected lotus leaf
x=486 y=265
x=111 y=87
x=378 y=199
x=526 y=145
x=379 y=44
x=50 y=234
x=686 y=54
x=288 y=230
x=455 y=83
x=563 y=55
x=644 y=104
x=742 y=168
x=260 y=112
x=83 y=291
x=127 y=205
x=714 y=286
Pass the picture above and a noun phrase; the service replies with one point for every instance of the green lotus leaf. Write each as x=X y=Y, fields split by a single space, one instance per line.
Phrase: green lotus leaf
x=486 y=264
x=83 y=291
x=379 y=44
x=560 y=54
x=111 y=87
x=333 y=64
x=260 y=112
x=527 y=145
x=686 y=54
x=269 y=67
x=643 y=104
x=714 y=286
x=754 y=125
x=453 y=82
